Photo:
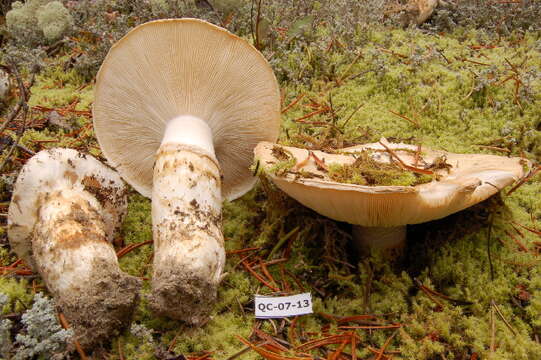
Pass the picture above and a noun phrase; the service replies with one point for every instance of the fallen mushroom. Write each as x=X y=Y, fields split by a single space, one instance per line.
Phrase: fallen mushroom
x=380 y=213
x=65 y=210
x=179 y=107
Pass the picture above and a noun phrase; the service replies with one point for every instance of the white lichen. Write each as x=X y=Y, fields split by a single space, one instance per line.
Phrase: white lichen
x=38 y=21
x=43 y=335
x=5 y=327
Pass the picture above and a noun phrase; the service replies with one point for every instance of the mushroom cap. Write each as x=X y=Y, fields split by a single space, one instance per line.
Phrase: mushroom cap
x=471 y=179
x=56 y=169
x=168 y=68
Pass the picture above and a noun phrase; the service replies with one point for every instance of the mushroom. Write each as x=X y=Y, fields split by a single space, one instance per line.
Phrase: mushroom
x=380 y=213
x=179 y=106
x=425 y=10
x=65 y=210
x=4 y=85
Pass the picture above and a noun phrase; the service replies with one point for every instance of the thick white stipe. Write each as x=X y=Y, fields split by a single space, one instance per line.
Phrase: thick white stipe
x=189 y=253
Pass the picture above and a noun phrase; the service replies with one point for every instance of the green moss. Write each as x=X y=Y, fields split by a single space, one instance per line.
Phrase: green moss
x=366 y=171
x=56 y=87
x=137 y=228
x=433 y=92
x=19 y=293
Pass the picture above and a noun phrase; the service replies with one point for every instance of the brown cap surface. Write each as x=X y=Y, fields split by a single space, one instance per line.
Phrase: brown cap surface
x=57 y=169
x=471 y=179
x=168 y=68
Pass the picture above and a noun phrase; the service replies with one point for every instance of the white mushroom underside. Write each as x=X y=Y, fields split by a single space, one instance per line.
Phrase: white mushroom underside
x=173 y=67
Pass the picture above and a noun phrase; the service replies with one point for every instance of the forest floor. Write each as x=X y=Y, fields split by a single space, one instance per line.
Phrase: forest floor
x=468 y=286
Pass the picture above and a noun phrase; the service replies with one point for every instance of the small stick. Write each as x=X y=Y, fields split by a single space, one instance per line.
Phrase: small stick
x=524 y=179
x=337 y=354
x=351 y=115
x=271 y=262
x=285 y=284
x=204 y=357
x=243 y=351
x=282 y=241
x=536 y=232
x=297 y=281
x=319 y=162
x=517 y=241
x=173 y=342
x=495 y=148
x=403 y=164
x=311 y=114
x=349 y=68
x=66 y=326
x=443 y=56
x=131 y=247
x=435 y=293
x=314 y=344
x=430 y=296
x=266 y=272
x=243 y=259
x=241 y=251
x=382 y=350
x=417 y=155
x=258 y=277
x=405 y=118
x=503 y=318
x=293 y=103
x=475 y=62
x=353 y=347
x=517 y=230
x=371 y=327
x=392 y=52
x=492 y=332
x=22 y=101
x=505 y=80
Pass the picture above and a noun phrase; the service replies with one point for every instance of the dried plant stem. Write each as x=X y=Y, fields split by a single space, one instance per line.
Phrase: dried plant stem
x=414 y=122
x=495 y=306
x=492 y=333
x=531 y=174
x=66 y=326
x=293 y=103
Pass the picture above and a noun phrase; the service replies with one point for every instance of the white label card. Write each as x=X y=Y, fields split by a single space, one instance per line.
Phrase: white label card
x=267 y=307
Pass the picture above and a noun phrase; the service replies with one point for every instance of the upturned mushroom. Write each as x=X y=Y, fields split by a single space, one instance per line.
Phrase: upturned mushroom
x=179 y=107
x=438 y=183
x=65 y=210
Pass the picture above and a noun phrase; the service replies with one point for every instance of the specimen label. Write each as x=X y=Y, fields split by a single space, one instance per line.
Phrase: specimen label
x=267 y=307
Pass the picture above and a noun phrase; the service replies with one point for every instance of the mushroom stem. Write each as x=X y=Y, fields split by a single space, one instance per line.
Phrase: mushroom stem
x=189 y=253
x=80 y=267
x=379 y=237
